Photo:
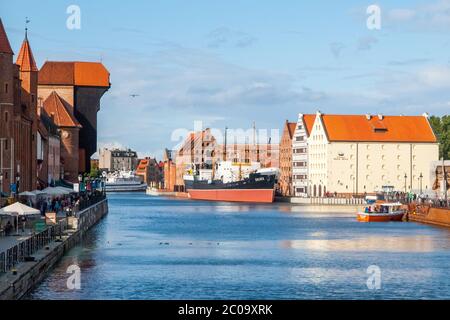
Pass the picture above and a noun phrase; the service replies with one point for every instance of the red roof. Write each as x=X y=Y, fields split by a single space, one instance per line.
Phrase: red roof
x=25 y=59
x=91 y=74
x=59 y=111
x=309 y=122
x=5 y=47
x=385 y=128
x=291 y=128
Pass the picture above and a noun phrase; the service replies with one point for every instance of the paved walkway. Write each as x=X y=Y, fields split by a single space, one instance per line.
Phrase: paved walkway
x=12 y=240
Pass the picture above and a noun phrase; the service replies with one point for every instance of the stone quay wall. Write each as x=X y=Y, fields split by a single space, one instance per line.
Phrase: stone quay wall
x=28 y=274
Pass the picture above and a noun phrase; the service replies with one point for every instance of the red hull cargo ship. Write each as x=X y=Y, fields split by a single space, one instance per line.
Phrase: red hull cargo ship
x=257 y=186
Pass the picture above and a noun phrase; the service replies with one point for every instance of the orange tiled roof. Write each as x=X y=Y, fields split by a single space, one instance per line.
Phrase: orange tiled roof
x=387 y=129
x=58 y=109
x=309 y=122
x=25 y=59
x=91 y=74
x=5 y=47
x=291 y=128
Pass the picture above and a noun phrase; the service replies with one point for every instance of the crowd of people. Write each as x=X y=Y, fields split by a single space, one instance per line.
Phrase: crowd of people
x=63 y=205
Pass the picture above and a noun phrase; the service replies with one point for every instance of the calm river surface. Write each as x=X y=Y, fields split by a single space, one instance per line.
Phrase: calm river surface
x=158 y=248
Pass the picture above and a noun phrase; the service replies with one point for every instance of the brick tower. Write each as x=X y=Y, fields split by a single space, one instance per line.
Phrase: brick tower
x=81 y=85
x=26 y=153
x=8 y=97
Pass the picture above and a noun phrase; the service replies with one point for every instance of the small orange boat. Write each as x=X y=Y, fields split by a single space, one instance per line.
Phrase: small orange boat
x=383 y=212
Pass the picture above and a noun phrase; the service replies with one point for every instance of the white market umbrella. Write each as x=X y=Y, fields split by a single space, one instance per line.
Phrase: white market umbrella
x=55 y=191
x=27 y=194
x=38 y=192
x=18 y=209
x=65 y=189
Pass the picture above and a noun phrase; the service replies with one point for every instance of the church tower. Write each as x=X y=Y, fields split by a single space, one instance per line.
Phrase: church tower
x=27 y=153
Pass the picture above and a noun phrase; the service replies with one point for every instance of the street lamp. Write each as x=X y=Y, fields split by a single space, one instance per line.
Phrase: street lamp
x=17 y=183
x=104 y=174
x=1 y=182
x=421 y=177
x=406 y=177
x=354 y=189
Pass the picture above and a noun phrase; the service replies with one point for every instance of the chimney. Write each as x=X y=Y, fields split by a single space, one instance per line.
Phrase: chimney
x=368 y=117
x=380 y=117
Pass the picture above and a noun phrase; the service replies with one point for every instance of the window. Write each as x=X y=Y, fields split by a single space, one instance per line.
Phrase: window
x=299 y=138
x=6 y=117
x=6 y=88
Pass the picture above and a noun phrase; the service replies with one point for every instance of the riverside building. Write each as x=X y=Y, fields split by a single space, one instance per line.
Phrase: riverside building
x=359 y=154
x=300 y=154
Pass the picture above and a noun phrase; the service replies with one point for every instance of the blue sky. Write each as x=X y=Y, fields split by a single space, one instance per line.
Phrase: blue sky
x=229 y=63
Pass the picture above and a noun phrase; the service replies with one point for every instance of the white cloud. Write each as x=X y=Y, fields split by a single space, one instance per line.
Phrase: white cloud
x=433 y=16
x=401 y=15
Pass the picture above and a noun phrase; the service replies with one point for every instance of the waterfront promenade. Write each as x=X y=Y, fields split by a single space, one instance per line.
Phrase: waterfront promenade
x=25 y=261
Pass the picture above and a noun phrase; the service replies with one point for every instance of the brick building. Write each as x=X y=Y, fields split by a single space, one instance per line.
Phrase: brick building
x=285 y=186
x=69 y=128
x=151 y=172
x=112 y=160
x=80 y=85
x=197 y=149
x=48 y=118
x=18 y=116
x=169 y=172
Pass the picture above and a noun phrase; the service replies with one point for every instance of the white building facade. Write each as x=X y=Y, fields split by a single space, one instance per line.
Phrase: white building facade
x=300 y=155
x=358 y=154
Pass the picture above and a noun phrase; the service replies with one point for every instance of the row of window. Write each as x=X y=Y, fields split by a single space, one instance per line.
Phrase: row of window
x=300 y=150
x=6 y=91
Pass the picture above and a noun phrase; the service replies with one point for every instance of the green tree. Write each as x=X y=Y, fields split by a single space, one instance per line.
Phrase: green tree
x=95 y=173
x=441 y=128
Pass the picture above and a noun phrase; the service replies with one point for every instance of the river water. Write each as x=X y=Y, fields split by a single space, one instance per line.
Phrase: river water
x=159 y=248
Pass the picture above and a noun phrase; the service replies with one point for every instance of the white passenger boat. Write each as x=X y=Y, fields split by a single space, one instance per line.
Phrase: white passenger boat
x=124 y=181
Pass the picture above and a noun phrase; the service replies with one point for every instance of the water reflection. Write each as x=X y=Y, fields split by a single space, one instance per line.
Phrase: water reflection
x=371 y=243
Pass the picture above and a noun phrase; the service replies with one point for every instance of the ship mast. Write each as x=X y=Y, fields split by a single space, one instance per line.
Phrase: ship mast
x=225 y=145
x=255 y=142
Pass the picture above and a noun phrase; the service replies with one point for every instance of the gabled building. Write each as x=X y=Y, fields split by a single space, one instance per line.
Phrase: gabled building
x=285 y=186
x=151 y=172
x=61 y=115
x=196 y=151
x=112 y=160
x=300 y=154
x=169 y=172
x=48 y=150
x=359 y=154
x=18 y=118
x=265 y=153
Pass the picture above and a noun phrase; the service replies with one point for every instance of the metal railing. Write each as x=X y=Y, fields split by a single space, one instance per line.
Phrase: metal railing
x=25 y=249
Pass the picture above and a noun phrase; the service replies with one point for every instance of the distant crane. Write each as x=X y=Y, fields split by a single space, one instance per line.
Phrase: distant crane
x=134 y=95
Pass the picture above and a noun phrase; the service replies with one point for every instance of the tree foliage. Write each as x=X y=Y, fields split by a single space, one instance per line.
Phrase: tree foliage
x=441 y=128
